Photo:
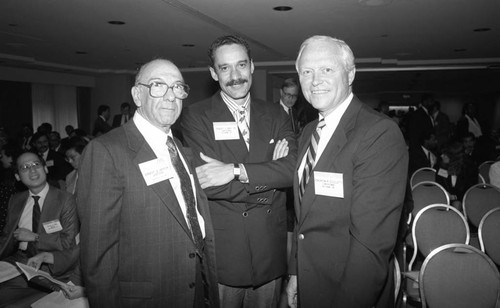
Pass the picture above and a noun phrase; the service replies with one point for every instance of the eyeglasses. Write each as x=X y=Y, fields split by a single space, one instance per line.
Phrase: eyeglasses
x=26 y=167
x=290 y=95
x=159 y=89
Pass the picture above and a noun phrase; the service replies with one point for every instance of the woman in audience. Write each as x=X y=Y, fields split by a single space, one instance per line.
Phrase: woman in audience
x=456 y=173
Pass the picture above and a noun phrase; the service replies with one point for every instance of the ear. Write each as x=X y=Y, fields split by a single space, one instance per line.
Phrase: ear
x=251 y=66
x=17 y=177
x=213 y=73
x=351 y=75
x=46 y=169
x=136 y=95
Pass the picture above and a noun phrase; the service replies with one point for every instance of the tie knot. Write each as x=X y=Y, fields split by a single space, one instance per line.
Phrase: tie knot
x=36 y=198
x=321 y=124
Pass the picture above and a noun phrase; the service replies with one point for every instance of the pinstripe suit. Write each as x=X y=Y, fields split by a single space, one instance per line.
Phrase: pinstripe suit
x=136 y=248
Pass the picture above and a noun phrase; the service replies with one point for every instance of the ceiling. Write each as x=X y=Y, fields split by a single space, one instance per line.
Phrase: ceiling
x=400 y=45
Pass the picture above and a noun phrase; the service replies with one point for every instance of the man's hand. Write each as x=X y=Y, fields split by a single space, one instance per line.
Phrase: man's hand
x=43 y=257
x=25 y=235
x=281 y=149
x=72 y=292
x=291 y=291
x=214 y=172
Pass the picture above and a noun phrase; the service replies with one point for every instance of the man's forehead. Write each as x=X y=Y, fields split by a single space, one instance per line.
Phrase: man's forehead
x=28 y=158
x=161 y=69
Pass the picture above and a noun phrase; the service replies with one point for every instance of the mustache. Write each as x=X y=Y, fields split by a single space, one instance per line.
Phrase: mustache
x=235 y=82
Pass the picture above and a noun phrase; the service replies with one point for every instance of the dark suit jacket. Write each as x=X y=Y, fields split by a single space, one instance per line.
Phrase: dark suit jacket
x=136 y=247
x=344 y=244
x=117 y=120
x=418 y=124
x=418 y=159
x=249 y=219
x=58 y=205
x=100 y=127
x=58 y=167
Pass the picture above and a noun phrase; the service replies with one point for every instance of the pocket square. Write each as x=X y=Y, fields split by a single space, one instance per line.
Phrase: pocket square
x=271 y=141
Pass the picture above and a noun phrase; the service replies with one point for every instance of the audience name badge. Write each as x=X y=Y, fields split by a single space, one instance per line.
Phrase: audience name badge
x=49 y=163
x=52 y=226
x=329 y=184
x=155 y=171
x=226 y=131
x=442 y=172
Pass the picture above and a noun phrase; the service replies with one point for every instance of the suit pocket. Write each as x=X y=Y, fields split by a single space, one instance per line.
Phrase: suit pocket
x=136 y=289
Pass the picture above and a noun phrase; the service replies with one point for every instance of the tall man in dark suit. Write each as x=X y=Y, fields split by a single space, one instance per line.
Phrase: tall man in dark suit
x=349 y=187
x=42 y=219
x=101 y=125
x=289 y=93
x=421 y=121
x=246 y=153
x=146 y=233
x=124 y=115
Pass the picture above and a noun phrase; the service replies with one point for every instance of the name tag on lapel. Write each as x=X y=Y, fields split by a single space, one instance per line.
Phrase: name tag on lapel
x=443 y=173
x=52 y=226
x=49 y=163
x=329 y=184
x=226 y=131
x=155 y=171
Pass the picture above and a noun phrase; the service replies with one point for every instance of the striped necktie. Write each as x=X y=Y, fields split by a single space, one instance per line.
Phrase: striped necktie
x=187 y=193
x=310 y=157
x=243 y=126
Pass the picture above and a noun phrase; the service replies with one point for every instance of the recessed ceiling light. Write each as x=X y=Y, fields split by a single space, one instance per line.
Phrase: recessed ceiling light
x=187 y=45
x=482 y=29
x=459 y=49
x=116 y=22
x=384 y=35
x=374 y=2
x=12 y=25
x=81 y=52
x=282 y=8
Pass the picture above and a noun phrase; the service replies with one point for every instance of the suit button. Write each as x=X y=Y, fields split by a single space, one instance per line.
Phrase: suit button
x=192 y=255
x=301 y=236
x=245 y=214
x=191 y=285
x=269 y=211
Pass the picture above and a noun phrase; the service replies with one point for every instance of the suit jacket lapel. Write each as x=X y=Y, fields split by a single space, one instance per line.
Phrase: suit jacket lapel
x=50 y=205
x=327 y=160
x=260 y=132
x=163 y=189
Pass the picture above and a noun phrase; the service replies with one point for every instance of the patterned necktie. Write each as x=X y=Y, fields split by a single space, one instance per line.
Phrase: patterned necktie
x=310 y=158
x=243 y=126
x=187 y=193
x=35 y=219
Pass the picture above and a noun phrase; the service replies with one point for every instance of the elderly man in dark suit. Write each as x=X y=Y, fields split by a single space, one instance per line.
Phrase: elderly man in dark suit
x=349 y=187
x=246 y=153
x=42 y=219
x=146 y=232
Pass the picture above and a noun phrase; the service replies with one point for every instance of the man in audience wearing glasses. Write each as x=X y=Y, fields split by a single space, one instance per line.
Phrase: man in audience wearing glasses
x=246 y=153
x=146 y=233
x=42 y=219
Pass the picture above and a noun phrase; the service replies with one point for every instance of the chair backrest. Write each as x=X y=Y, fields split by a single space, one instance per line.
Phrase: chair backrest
x=436 y=225
x=428 y=192
x=489 y=230
x=484 y=170
x=480 y=179
x=397 y=278
x=478 y=200
x=459 y=276
x=422 y=174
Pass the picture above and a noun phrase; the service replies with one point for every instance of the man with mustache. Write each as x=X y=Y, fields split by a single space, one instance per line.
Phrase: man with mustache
x=246 y=152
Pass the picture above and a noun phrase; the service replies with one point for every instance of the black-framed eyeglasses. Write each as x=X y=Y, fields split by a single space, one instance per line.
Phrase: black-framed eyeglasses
x=159 y=89
x=287 y=95
x=28 y=166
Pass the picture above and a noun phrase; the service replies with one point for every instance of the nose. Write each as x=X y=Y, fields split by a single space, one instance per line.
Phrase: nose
x=235 y=74
x=316 y=78
x=169 y=95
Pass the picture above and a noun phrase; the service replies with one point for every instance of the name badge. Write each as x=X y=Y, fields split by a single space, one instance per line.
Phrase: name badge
x=443 y=173
x=226 y=131
x=49 y=163
x=154 y=171
x=52 y=226
x=329 y=184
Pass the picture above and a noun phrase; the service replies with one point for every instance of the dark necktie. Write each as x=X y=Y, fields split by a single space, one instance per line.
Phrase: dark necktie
x=310 y=157
x=35 y=219
x=187 y=193
x=290 y=112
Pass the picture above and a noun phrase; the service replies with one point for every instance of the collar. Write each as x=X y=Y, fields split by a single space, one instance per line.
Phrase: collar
x=154 y=136
x=333 y=118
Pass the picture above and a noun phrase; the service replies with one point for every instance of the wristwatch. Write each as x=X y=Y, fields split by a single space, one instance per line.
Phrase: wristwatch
x=236 y=172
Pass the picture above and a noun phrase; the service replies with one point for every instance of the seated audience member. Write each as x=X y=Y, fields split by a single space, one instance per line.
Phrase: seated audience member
x=55 y=142
x=26 y=134
x=73 y=154
x=41 y=219
x=57 y=167
x=423 y=155
x=101 y=125
x=494 y=174
x=456 y=173
x=124 y=116
x=8 y=185
x=44 y=128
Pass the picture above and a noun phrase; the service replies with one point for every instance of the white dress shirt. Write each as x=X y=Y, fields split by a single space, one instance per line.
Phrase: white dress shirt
x=26 y=220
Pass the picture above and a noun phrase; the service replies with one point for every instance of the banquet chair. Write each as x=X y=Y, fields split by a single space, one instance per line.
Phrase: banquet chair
x=489 y=230
x=484 y=170
x=459 y=276
x=478 y=200
x=433 y=226
x=428 y=192
x=422 y=174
